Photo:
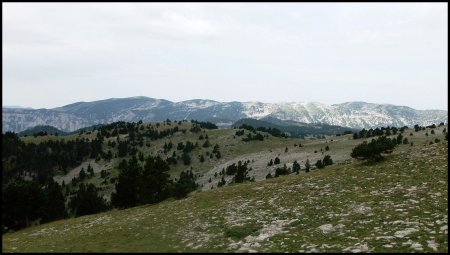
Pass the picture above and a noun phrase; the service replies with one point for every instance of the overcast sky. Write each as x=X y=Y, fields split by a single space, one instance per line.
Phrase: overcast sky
x=60 y=53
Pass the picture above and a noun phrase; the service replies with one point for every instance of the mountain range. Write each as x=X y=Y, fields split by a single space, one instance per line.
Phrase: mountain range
x=351 y=114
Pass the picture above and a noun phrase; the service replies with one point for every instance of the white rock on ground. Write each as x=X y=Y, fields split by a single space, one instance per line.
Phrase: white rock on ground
x=403 y=233
x=327 y=228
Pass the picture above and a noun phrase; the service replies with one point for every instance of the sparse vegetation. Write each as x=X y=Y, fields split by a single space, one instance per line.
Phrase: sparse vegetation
x=104 y=174
x=237 y=217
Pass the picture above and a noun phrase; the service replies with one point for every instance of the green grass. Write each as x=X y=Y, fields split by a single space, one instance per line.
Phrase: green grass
x=370 y=206
x=239 y=232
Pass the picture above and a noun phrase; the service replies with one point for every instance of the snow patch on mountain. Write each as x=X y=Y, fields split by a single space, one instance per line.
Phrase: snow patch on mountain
x=257 y=110
x=351 y=114
x=197 y=104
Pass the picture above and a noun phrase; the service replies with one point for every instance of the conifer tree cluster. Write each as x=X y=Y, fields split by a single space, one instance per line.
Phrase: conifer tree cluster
x=282 y=170
x=325 y=162
x=149 y=183
x=387 y=131
x=26 y=201
x=372 y=151
x=239 y=170
x=250 y=137
x=274 y=162
x=141 y=180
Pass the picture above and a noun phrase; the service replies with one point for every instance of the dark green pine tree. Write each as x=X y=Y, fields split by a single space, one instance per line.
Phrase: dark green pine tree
x=141 y=156
x=155 y=180
x=21 y=204
x=185 y=184
x=241 y=174
x=277 y=161
x=399 y=138
x=222 y=182
x=307 y=166
x=186 y=158
x=82 y=174
x=54 y=203
x=87 y=201
x=319 y=164
x=281 y=171
x=122 y=148
x=126 y=194
x=216 y=148
x=90 y=170
x=296 y=167
x=327 y=160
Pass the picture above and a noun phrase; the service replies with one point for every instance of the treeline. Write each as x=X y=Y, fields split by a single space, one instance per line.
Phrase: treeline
x=44 y=159
x=26 y=203
x=249 y=137
x=136 y=131
x=374 y=150
x=31 y=195
x=149 y=183
x=417 y=128
x=206 y=125
x=387 y=131
x=256 y=137
x=273 y=131
x=40 y=161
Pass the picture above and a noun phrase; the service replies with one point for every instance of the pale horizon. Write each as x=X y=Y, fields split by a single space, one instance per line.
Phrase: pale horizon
x=56 y=54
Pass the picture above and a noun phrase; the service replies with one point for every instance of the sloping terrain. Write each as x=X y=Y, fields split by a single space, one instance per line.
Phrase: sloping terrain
x=231 y=147
x=397 y=205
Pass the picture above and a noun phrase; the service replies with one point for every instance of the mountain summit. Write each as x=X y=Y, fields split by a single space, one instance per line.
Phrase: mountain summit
x=351 y=114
